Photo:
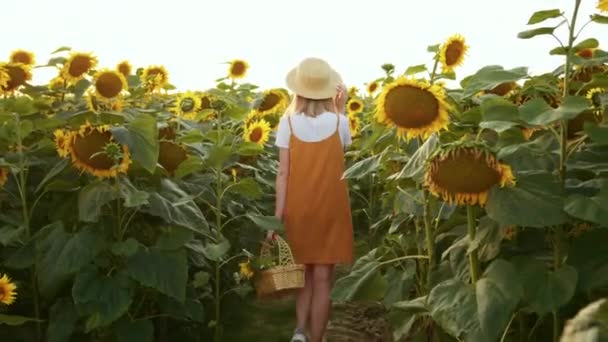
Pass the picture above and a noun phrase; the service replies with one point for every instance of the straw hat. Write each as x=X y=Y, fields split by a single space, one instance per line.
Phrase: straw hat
x=313 y=78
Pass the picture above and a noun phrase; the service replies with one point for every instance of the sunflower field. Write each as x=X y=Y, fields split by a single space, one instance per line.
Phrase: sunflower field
x=130 y=211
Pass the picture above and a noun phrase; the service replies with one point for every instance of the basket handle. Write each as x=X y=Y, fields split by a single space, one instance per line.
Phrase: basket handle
x=285 y=254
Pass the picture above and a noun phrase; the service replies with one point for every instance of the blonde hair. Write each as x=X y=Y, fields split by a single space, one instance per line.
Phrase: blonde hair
x=310 y=107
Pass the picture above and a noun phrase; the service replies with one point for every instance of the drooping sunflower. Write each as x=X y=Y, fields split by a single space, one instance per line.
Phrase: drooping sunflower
x=3 y=176
x=171 y=155
x=238 y=69
x=354 y=106
x=503 y=89
x=109 y=83
x=372 y=87
x=416 y=108
x=595 y=96
x=463 y=173
x=7 y=290
x=22 y=56
x=452 y=53
x=18 y=75
x=94 y=150
x=602 y=6
x=258 y=132
x=77 y=66
x=354 y=123
x=63 y=139
x=124 y=68
x=187 y=105
x=155 y=77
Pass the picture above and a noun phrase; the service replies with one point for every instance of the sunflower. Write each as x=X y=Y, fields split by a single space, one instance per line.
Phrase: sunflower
x=354 y=106
x=187 y=105
x=602 y=6
x=90 y=152
x=464 y=173
x=62 y=142
x=155 y=77
x=245 y=270
x=416 y=108
x=352 y=91
x=4 y=78
x=57 y=82
x=273 y=101
x=77 y=66
x=171 y=155
x=3 y=176
x=7 y=290
x=595 y=96
x=258 y=132
x=355 y=124
x=586 y=53
x=18 y=75
x=22 y=56
x=109 y=83
x=372 y=87
x=124 y=68
x=97 y=104
x=452 y=53
x=238 y=69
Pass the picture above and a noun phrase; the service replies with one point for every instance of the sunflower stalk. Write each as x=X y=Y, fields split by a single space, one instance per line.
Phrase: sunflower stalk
x=564 y=151
x=473 y=258
x=219 y=192
x=22 y=186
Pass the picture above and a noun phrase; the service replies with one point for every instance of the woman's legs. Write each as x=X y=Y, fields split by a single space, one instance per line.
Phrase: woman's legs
x=303 y=300
x=321 y=304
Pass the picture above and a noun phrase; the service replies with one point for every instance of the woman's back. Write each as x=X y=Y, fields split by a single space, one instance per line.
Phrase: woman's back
x=312 y=129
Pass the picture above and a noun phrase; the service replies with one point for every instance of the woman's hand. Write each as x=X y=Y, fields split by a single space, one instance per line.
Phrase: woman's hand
x=341 y=96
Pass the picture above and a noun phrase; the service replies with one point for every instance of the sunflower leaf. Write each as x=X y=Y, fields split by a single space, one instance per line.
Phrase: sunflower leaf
x=92 y=198
x=537 y=112
x=600 y=19
x=535 y=201
x=141 y=136
x=591 y=209
x=590 y=43
x=266 y=222
x=60 y=166
x=598 y=134
x=560 y=50
x=164 y=271
x=362 y=168
x=540 y=16
x=415 y=69
x=61 y=49
x=15 y=320
x=134 y=331
x=535 y=32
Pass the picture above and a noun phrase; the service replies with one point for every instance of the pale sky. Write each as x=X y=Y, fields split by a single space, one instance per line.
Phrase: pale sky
x=192 y=38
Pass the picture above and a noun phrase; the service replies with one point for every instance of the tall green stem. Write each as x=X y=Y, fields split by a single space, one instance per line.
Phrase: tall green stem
x=430 y=237
x=564 y=152
x=473 y=259
x=218 y=227
x=26 y=222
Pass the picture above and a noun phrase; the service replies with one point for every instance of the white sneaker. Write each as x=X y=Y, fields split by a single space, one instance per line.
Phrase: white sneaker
x=298 y=336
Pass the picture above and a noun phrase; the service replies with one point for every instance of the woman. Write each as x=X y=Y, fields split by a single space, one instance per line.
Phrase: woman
x=311 y=197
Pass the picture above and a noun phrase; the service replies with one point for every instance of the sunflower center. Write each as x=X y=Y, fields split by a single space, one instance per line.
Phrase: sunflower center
x=503 y=88
x=269 y=102
x=124 y=69
x=454 y=52
x=108 y=85
x=17 y=75
x=411 y=107
x=354 y=106
x=22 y=57
x=464 y=172
x=256 y=134
x=89 y=150
x=156 y=74
x=170 y=156
x=238 y=68
x=373 y=87
x=79 y=65
x=187 y=104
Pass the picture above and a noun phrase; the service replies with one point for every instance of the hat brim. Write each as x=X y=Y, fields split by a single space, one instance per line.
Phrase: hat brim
x=316 y=94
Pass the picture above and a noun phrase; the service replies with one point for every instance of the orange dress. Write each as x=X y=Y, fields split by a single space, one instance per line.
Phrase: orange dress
x=317 y=213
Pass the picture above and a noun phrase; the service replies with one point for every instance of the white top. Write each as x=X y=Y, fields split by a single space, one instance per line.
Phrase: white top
x=312 y=129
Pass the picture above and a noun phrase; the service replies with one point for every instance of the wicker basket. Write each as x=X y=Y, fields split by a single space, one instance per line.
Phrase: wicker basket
x=281 y=280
